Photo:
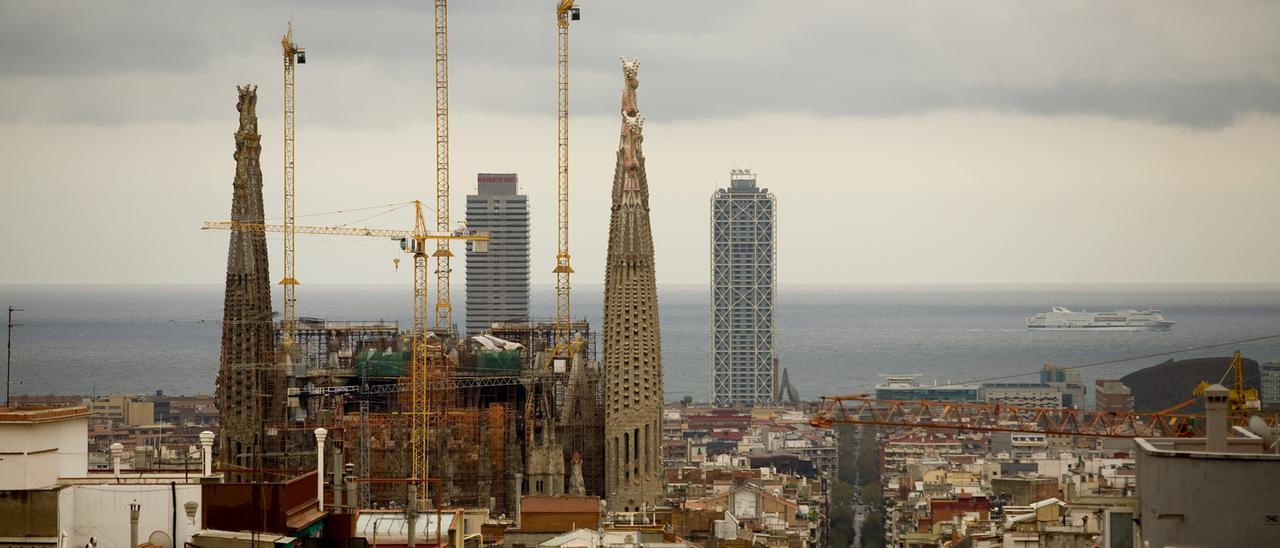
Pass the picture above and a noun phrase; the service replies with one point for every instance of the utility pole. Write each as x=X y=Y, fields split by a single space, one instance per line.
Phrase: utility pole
x=8 y=355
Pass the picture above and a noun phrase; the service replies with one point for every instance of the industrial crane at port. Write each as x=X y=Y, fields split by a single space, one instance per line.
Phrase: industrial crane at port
x=566 y=11
x=293 y=56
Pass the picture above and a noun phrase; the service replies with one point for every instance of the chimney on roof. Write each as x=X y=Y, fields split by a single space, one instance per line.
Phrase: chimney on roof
x=519 y=487
x=206 y=451
x=1215 y=417
x=133 y=523
x=116 y=450
x=321 y=435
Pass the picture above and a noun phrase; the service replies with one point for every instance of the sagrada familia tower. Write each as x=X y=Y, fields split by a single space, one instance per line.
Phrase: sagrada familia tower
x=632 y=348
x=249 y=393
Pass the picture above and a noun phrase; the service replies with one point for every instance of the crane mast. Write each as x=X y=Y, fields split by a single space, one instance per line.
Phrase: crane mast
x=293 y=55
x=444 y=309
x=420 y=400
x=566 y=10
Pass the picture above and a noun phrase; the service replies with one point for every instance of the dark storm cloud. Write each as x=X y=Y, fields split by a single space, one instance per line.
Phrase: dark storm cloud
x=1191 y=64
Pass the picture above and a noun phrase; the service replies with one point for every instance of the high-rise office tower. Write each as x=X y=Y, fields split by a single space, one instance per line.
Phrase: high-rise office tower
x=498 y=281
x=744 y=277
x=632 y=347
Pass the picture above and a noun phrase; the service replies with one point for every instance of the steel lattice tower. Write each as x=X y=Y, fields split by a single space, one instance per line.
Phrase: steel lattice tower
x=744 y=278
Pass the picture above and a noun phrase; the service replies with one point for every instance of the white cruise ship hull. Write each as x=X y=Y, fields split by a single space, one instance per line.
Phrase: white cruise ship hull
x=1062 y=319
x=1159 y=327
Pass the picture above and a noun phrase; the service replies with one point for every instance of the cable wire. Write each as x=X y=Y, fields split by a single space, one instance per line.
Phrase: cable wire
x=1129 y=359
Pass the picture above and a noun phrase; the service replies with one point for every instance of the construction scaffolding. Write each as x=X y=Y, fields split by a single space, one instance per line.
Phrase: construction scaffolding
x=486 y=423
x=539 y=336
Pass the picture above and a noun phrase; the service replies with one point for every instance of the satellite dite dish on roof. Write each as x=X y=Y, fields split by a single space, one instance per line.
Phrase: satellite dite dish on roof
x=161 y=539
x=1270 y=436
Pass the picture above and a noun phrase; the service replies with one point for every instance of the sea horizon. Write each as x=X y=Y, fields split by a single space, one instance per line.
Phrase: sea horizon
x=832 y=338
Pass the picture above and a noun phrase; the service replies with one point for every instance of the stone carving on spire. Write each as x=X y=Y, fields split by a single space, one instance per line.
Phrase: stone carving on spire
x=632 y=137
x=630 y=67
x=632 y=125
x=248 y=141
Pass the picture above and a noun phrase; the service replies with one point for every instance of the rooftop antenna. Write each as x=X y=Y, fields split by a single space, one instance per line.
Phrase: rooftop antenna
x=8 y=355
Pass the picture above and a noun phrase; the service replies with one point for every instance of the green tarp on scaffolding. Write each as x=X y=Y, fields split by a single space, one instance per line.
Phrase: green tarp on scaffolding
x=498 y=360
x=382 y=364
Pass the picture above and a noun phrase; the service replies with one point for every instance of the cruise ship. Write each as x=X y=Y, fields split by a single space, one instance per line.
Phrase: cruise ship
x=1061 y=319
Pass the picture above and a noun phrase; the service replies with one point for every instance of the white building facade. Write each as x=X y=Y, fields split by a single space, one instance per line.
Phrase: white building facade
x=744 y=278
x=1269 y=384
x=1021 y=394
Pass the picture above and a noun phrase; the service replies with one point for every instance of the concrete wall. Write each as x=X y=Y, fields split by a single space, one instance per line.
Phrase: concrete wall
x=102 y=511
x=29 y=513
x=36 y=454
x=1203 y=499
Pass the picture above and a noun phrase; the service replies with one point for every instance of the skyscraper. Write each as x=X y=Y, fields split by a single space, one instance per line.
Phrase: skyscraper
x=632 y=347
x=498 y=281
x=744 y=278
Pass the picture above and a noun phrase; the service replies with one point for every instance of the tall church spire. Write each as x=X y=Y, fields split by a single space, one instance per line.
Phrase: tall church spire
x=632 y=347
x=248 y=393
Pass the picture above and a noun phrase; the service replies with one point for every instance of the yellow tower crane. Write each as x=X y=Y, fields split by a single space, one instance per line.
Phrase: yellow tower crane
x=444 y=310
x=415 y=243
x=293 y=56
x=1243 y=400
x=566 y=11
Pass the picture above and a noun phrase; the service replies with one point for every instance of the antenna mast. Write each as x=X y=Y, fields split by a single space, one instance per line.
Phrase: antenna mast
x=8 y=357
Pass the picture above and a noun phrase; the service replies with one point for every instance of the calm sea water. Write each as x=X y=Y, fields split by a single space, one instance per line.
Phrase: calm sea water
x=834 y=339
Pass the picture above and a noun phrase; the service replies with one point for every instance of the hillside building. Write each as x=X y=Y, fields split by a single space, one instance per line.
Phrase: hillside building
x=1021 y=394
x=1112 y=395
x=908 y=388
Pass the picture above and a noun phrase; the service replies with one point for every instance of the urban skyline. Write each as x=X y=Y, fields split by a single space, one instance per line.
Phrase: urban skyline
x=960 y=181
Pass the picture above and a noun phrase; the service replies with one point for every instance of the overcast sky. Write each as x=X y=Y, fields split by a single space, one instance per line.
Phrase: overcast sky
x=906 y=142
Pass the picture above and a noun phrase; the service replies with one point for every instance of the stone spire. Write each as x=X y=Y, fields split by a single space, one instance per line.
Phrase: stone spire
x=248 y=342
x=632 y=348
